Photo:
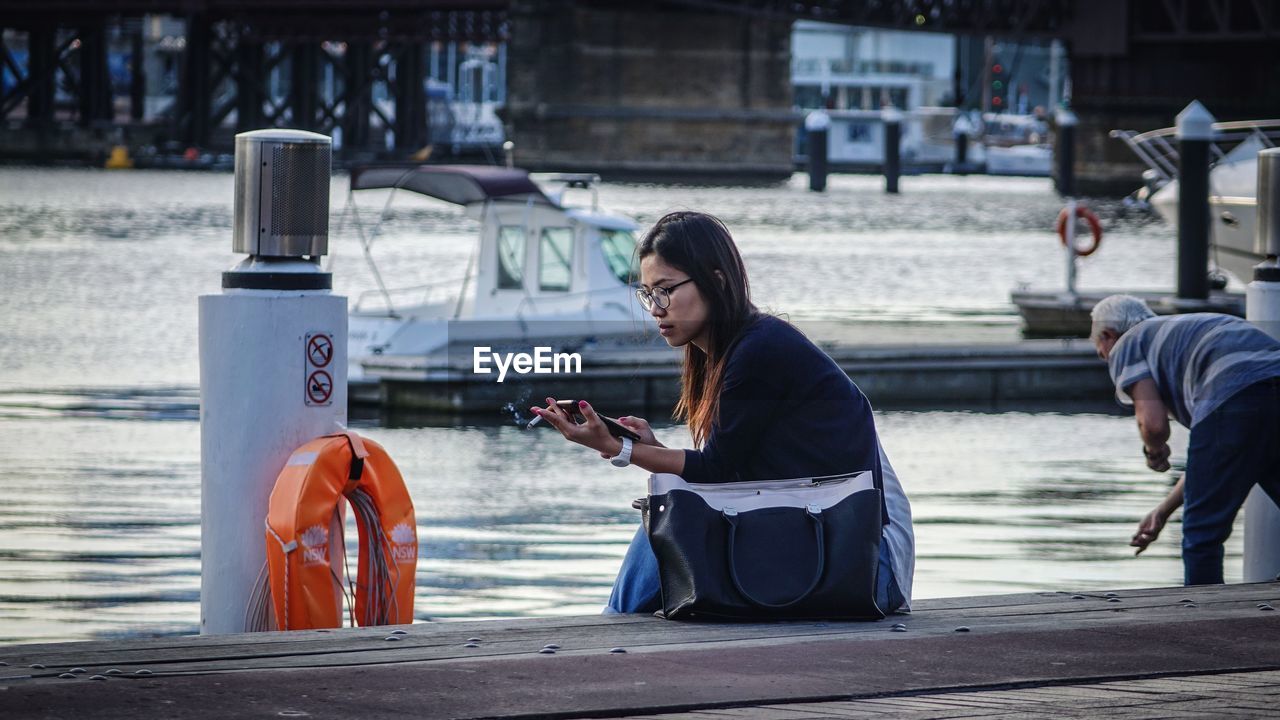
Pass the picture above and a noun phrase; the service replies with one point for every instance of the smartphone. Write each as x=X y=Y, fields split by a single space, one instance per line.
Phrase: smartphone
x=616 y=428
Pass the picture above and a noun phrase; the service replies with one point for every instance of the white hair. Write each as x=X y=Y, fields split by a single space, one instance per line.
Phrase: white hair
x=1118 y=313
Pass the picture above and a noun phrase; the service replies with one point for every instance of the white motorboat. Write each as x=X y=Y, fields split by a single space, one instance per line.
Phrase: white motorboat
x=1024 y=160
x=1233 y=185
x=1017 y=145
x=543 y=273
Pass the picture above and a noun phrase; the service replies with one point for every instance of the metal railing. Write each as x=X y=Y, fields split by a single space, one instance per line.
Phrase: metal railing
x=392 y=300
x=1158 y=149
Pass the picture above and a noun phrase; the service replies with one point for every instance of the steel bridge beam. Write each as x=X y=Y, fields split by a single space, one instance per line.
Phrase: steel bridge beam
x=411 y=98
x=137 y=73
x=250 y=81
x=304 y=85
x=1005 y=18
x=95 y=78
x=194 y=101
x=358 y=77
x=42 y=67
x=1182 y=21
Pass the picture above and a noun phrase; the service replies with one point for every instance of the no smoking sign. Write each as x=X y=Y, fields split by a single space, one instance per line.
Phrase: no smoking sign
x=318 y=348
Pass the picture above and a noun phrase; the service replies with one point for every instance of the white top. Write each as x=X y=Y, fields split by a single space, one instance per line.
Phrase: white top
x=898 y=533
x=1195 y=122
x=817 y=120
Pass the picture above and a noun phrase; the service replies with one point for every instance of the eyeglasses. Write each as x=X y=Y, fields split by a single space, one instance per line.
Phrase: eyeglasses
x=660 y=296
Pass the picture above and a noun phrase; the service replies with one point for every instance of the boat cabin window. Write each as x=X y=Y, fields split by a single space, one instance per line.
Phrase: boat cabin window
x=619 y=248
x=555 y=263
x=511 y=257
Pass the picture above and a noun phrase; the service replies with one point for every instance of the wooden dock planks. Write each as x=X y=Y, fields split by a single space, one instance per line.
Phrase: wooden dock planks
x=1035 y=643
x=1243 y=695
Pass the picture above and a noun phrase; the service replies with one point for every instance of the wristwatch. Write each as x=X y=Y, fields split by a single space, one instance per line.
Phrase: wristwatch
x=623 y=458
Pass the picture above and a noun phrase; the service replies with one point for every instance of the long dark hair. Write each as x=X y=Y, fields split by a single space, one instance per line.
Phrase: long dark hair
x=700 y=245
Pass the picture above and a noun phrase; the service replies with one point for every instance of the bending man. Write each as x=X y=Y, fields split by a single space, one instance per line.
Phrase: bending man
x=1220 y=377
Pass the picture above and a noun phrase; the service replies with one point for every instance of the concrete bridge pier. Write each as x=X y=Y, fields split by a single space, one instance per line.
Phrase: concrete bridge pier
x=648 y=89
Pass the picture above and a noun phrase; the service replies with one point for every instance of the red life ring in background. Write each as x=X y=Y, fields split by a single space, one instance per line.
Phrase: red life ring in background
x=1095 y=226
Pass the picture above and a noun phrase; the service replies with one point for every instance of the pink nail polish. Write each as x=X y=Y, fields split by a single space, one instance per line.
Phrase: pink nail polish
x=582 y=403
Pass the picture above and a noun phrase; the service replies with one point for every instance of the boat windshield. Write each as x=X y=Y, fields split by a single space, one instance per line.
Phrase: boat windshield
x=619 y=248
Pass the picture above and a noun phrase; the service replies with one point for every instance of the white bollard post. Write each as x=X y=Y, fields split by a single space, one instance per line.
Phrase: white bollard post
x=273 y=359
x=1262 y=308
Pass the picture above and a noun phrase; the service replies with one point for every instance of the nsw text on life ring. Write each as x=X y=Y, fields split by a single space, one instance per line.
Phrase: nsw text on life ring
x=1095 y=227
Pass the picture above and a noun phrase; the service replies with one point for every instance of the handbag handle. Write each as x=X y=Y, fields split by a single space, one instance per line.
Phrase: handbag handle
x=815 y=515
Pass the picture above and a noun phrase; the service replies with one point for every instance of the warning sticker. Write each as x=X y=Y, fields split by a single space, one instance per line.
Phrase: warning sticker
x=319 y=388
x=318 y=349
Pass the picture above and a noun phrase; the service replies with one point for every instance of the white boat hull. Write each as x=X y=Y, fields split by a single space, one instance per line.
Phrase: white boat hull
x=426 y=340
x=1028 y=160
x=1233 y=207
x=1233 y=220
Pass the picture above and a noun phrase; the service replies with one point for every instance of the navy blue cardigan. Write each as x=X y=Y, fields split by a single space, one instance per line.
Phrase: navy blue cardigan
x=786 y=411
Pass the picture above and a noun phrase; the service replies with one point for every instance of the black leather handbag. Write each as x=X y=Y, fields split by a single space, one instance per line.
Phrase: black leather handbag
x=773 y=550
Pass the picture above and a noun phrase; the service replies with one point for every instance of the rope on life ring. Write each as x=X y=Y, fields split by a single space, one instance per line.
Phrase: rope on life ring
x=1095 y=227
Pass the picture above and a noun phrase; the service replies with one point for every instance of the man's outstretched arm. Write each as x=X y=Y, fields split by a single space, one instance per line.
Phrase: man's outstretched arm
x=1153 y=423
x=1151 y=525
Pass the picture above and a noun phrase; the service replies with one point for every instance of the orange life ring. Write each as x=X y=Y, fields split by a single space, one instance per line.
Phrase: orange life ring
x=1095 y=226
x=303 y=508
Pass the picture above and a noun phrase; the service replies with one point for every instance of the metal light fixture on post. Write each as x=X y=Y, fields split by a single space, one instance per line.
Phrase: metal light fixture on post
x=273 y=359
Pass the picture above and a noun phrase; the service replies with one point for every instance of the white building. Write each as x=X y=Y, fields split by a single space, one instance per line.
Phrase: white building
x=855 y=68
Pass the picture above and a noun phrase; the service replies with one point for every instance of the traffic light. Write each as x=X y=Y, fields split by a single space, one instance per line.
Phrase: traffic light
x=997 y=85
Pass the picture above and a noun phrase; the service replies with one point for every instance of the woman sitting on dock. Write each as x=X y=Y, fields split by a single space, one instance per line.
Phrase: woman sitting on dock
x=762 y=402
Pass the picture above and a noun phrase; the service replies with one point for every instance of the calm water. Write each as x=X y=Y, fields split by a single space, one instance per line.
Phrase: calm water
x=99 y=438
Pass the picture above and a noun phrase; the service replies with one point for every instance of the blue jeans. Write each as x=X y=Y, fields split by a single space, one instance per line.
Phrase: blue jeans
x=637 y=589
x=1234 y=448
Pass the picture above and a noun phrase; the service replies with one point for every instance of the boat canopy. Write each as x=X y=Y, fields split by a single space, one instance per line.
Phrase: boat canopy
x=458 y=184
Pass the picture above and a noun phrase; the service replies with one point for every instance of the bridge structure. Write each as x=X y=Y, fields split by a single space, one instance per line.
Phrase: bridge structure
x=649 y=86
x=230 y=52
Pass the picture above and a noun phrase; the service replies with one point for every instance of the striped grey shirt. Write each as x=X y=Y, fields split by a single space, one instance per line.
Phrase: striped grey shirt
x=1197 y=361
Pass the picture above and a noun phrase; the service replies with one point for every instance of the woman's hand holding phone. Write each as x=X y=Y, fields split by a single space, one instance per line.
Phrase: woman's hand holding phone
x=640 y=427
x=593 y=433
